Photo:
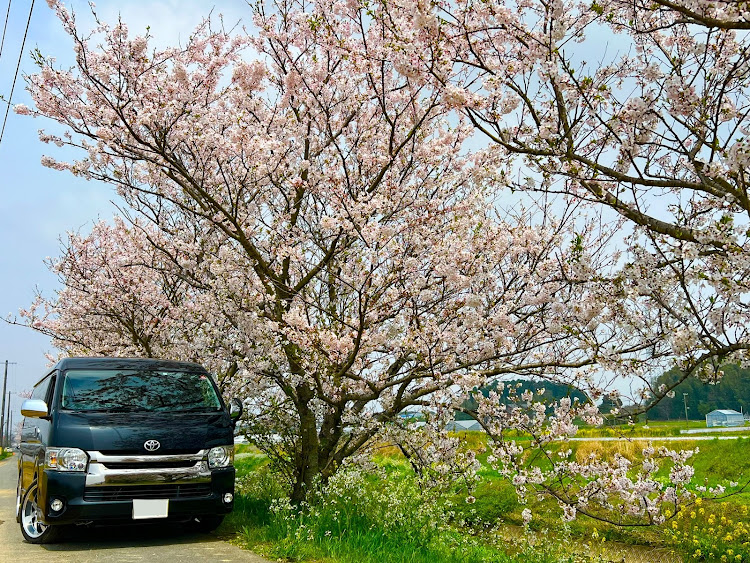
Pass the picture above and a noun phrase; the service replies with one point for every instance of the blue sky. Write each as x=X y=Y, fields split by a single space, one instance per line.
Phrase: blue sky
x=38 y=205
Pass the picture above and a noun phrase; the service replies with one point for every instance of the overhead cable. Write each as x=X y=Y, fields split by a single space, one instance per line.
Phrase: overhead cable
x=5 y=27
x=15 y=76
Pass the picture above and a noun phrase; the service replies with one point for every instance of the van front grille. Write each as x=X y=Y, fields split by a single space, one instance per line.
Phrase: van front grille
x=143 y=452
x=109 y=493
x=177 y=464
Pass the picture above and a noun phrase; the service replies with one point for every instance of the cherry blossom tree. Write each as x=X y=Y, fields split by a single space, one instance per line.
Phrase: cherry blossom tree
x=348 y=255
x=636 y=109
x=126 y=292
x=639 y=108
x=309 y=193
x=116 y=298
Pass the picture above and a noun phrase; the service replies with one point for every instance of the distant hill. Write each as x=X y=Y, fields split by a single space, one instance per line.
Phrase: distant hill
x=552 y=392
x=733 y=392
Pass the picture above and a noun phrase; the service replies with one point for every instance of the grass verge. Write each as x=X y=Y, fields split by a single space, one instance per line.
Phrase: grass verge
x=364 y=518
x=386 y=516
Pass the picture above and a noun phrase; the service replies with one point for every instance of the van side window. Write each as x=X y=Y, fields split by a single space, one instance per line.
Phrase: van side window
x=50 y=390
x=40 y=391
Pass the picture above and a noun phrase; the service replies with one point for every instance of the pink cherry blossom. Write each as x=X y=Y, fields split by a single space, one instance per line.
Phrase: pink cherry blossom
x=307 y=218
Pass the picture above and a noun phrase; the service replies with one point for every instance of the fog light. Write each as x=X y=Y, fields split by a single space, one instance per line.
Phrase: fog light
x=56 y=505
x=228 y=498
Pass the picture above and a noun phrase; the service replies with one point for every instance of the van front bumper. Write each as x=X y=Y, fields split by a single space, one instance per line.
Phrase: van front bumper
x=107 y=496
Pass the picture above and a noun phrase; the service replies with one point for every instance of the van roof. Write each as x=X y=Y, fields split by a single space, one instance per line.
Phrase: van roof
x=126 y=363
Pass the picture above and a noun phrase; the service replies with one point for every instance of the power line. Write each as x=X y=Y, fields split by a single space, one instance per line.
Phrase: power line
x=5 y=27
x=18 y=66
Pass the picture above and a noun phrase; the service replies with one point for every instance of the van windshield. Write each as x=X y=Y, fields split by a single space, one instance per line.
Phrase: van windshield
x=102 y=390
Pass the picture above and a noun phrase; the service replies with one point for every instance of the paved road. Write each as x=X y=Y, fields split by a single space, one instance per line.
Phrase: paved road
x=123 y=544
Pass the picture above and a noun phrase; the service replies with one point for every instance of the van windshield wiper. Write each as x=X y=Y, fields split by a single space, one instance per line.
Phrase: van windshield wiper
x=118 y=408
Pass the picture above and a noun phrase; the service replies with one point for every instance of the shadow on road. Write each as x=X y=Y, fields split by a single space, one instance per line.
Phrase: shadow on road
x=87 y=538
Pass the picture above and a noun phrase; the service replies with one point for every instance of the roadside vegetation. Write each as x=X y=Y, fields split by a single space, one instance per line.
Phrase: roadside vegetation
x=371 y=516
x=384 y=513
x=5 y=453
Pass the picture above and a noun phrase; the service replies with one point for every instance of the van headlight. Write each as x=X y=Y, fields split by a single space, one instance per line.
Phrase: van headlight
x=220 y=456
x=66 y=459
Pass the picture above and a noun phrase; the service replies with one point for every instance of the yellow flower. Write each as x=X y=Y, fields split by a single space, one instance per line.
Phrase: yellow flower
x=692 y=515
x=701 y=510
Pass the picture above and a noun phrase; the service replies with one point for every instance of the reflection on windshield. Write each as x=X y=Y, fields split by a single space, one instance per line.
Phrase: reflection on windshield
x=134 y=390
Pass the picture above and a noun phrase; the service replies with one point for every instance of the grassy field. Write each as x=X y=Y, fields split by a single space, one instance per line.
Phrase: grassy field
x=654 y=428
x=364 y=519
x=385 y=516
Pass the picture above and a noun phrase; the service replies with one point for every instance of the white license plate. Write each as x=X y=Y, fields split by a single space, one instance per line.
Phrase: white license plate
x=150 y=508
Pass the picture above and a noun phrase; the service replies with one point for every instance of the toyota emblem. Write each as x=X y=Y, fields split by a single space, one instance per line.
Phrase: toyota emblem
x=151 y=445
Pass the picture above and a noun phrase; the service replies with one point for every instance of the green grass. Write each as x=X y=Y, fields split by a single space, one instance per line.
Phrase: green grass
x=5 y=454
x=386 y=516
x=654 y=428
x=722 y=460
x=702 y=536
x=368 y=518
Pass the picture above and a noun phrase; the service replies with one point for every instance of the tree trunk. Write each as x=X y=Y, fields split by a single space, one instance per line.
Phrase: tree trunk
x=306 y=467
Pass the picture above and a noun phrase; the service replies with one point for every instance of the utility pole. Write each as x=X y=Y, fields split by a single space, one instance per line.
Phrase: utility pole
x=7 y=428
x=2 y=409
x=10 y=429
x=684 y=399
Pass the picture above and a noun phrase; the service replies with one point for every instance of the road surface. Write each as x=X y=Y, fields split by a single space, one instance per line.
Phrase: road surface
x=122 y=544
x=655 y=438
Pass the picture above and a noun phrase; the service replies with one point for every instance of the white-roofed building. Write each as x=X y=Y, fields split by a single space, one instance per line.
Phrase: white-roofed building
x=724 y=417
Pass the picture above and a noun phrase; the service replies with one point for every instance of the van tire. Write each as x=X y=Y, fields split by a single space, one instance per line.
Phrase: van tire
x=19 y=499
x=33 y=530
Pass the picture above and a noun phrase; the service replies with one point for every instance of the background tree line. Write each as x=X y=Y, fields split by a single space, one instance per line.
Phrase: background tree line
x=546 y=391
x=731 y=392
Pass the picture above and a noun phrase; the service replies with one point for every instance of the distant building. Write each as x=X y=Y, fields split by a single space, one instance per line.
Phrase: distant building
x=724 y=417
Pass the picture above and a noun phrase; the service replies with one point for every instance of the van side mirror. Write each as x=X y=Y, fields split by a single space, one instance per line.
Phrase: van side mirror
x=34 y=408
x=235 y=408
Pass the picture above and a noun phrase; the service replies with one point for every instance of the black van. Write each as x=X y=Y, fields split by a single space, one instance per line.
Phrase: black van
x=107 y=440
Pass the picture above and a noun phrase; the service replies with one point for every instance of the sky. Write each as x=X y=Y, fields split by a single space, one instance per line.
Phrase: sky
x=38 y=206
